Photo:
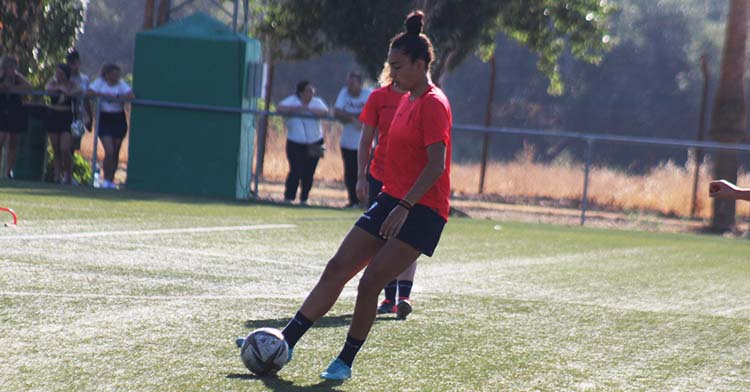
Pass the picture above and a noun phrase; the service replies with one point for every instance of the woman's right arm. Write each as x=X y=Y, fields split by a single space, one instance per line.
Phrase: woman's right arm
x=723 y=189
x=363 y=160
x=287 y=105
x=51 y=86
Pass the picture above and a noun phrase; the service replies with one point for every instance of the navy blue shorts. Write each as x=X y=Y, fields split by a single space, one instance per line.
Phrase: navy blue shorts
x=375 y=187
x=421 y=229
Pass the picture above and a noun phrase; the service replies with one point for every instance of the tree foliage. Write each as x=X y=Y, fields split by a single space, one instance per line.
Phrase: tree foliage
x=39 y=32
x=303 y=28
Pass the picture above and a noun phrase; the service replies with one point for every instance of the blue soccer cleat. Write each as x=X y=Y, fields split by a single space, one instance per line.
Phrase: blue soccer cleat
x=337 y=370
x=289 y=355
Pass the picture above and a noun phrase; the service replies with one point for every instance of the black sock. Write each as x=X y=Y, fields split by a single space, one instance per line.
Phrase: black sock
x=390 y=290
x=350 y=350
x=298 y=325
x=404 y=288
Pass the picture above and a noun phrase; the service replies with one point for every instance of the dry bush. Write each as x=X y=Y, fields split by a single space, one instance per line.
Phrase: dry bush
x=665 y=189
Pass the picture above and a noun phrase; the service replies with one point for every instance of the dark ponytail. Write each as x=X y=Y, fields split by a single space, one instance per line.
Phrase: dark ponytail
x=414 y=23
x=412 y=42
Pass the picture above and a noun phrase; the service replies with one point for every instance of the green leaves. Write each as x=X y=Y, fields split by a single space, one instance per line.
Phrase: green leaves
x=304 y=28
x=39 y=32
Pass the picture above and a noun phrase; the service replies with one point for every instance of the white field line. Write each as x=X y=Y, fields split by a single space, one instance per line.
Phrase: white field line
x=219 y=255
x=149 y=297
x=66 y=236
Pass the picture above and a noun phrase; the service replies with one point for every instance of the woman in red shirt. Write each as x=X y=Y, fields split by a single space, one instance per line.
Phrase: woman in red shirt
x=407 y=218
x=377 y=115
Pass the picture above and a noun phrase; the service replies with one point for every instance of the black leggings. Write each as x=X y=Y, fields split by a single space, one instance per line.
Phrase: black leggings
x=301 y=170
x=350 y=174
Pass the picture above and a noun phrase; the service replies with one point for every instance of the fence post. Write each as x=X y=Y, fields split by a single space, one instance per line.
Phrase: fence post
x=587 y=169
x=94 y=160
x=487 y=123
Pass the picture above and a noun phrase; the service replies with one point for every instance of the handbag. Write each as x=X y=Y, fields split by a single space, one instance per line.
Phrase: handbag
x=316 y=150
x=76 y=127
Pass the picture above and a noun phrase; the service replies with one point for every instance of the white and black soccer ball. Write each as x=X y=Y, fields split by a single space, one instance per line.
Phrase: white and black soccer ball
x=264 y=351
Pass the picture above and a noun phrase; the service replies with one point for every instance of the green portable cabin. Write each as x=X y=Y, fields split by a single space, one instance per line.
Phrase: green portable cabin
x=196 y=60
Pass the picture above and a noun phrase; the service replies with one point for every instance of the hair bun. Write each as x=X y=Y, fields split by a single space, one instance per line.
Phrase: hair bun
x=415 y=22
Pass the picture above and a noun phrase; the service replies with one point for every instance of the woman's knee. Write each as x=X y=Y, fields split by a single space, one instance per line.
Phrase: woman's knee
x=338 y=270
x=370 y=283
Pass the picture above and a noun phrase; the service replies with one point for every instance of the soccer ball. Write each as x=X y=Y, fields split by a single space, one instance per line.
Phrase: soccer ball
x=264 y=351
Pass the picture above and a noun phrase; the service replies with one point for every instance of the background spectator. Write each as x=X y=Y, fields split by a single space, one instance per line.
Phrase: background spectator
x=349 y=104
x=83 y=109
x=60 y=119
x=12 y=114
x=304 y=145
x=112 y=122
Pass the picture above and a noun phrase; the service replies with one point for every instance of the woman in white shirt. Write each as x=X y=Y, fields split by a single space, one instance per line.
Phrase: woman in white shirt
x=349 y=104
x=112 y=121
x=304 y=144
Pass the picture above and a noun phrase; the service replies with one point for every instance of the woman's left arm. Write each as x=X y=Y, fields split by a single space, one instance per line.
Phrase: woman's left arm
x=430 y=174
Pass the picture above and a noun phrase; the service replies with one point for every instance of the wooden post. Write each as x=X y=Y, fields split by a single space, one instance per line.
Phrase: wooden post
x=148 y=15
x=487 y=122
x=701 y=135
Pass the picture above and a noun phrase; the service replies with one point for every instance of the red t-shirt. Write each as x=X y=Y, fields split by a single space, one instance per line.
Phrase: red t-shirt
x=378 y=112
x=417 y=124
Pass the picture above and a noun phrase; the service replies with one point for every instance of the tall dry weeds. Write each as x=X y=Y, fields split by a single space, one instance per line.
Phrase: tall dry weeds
x=665 y=189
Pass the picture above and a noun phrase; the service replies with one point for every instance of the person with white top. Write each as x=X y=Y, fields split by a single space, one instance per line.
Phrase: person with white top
x=73 y=59
x=112 y=122
x=304 y=144
x=349 y=104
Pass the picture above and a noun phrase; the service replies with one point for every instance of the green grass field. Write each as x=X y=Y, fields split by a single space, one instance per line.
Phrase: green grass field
x=117 y=291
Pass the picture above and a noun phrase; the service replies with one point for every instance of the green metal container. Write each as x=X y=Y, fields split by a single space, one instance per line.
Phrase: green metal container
x=195 y=60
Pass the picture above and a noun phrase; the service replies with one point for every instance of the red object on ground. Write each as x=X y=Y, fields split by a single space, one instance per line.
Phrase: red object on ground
x=12 y=213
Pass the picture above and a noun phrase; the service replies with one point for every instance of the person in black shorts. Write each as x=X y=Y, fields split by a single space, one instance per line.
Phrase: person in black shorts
x=64 y=92
x=112 y=121
x=407 y=218
x=12 y=113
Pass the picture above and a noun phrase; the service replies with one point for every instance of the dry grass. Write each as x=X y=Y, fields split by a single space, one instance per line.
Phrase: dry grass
x=665 y=189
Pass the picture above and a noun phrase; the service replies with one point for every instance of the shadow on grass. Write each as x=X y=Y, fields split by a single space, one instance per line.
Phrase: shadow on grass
x=323 y=322
x=277 y=384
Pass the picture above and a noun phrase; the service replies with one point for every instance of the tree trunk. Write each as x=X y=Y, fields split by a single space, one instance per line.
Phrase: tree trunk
x=728 y=121
x=148 y=15
x=163 y=16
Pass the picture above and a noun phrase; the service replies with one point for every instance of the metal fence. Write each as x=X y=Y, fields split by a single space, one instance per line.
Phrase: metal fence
x=590 y=141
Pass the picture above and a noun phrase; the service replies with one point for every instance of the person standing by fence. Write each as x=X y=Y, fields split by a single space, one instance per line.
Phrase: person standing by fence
x=304 y=143
x=83 y=116
x=64 y=93
x=112 y=121
x=12 y=113
x=349 y=104
x=377 y=116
